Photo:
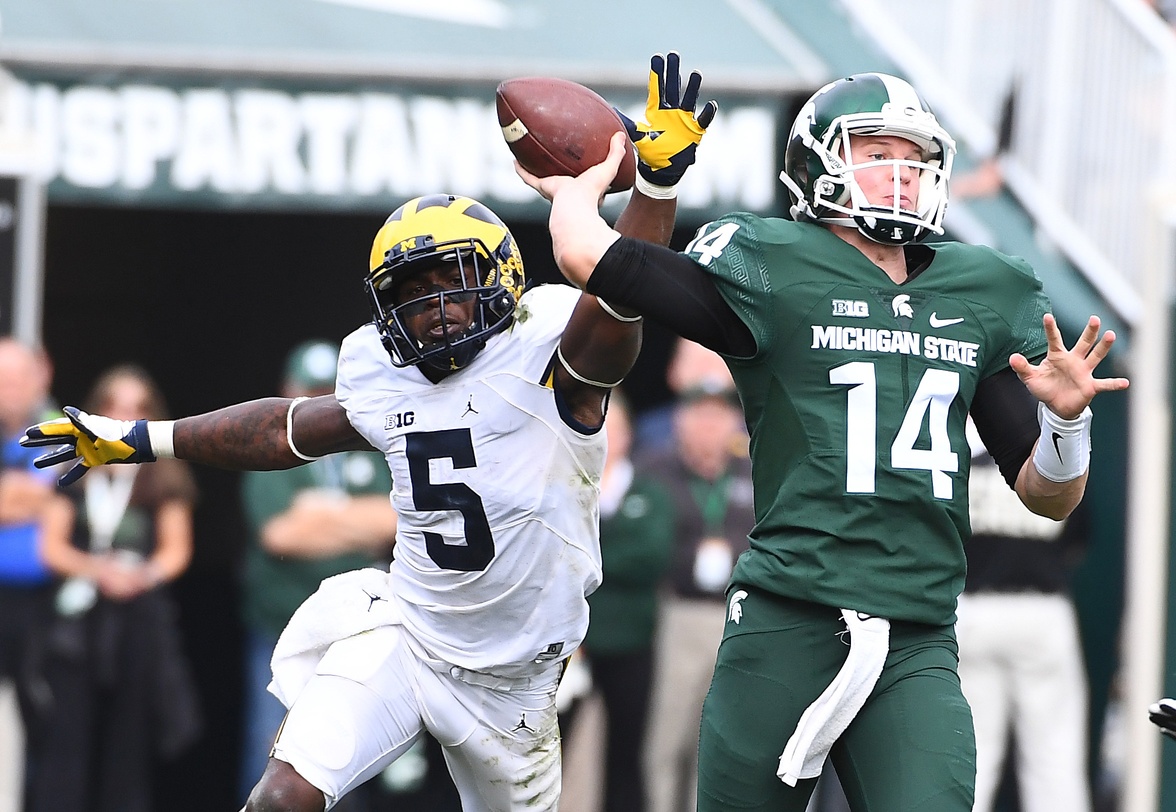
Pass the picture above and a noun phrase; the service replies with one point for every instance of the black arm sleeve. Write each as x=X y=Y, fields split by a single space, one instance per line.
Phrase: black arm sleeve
x=1005 y=415
x=673 y=290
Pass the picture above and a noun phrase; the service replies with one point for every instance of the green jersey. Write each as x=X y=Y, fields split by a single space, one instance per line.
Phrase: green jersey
x=276 y=585
x=856 y=401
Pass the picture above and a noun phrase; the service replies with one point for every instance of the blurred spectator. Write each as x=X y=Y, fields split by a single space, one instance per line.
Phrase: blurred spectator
x=708 y=476
x=25 y=581
x=1021 y=663
x=689 y=363
x=119 y=695
x=636 y=524
x=305 y=524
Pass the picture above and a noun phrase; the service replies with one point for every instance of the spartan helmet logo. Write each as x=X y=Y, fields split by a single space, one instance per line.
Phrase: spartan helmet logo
x=735 y=611
x=900 y=305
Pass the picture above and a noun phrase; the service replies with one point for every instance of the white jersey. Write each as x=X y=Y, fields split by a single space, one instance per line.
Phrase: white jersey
x=497 y=545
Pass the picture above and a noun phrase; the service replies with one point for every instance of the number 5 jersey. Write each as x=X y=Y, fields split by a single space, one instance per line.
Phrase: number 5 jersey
x=497 y=544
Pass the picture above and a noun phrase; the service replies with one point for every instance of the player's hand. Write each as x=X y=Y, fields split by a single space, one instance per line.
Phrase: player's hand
x=589 y=187
x=1064 y=380
x=90 y=440
x=1163 y=715
x=579 y=236
x=668 y=138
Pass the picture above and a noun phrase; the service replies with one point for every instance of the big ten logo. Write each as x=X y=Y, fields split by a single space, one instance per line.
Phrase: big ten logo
x=399 y=420
x=851 y=307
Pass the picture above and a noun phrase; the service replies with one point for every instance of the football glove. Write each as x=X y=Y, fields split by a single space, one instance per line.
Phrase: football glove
x=1163 y=714
x=89 y=439
x=666 y=141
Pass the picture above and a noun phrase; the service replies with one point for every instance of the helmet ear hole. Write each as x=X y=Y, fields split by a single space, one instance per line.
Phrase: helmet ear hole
x=501 y=302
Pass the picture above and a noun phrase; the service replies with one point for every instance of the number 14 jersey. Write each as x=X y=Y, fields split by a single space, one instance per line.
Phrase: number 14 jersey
x=856 y=401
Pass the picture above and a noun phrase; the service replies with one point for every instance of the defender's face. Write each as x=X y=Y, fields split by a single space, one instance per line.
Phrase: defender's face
x=878 y=182
x=436 y=317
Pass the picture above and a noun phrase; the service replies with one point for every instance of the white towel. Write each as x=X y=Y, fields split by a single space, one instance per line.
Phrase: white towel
x=343 y=606
x=830 y=714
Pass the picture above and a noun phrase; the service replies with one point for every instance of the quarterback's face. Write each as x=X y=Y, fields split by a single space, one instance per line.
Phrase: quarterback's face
x=428 y=320
x=877 y=182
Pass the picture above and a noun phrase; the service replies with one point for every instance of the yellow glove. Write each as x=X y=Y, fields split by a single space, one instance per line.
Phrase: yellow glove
x=667 y=140
x=89 y=439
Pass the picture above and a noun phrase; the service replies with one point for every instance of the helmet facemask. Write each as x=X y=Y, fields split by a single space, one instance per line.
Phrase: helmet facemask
x=491 y=280
x=819 y=164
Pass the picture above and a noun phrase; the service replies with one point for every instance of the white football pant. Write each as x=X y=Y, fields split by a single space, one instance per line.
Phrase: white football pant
x=372 y=697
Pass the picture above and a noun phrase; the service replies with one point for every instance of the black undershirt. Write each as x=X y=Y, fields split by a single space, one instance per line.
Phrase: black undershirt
x=674 y=290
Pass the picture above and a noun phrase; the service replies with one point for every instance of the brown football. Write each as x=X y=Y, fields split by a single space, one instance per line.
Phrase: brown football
x=557 y=127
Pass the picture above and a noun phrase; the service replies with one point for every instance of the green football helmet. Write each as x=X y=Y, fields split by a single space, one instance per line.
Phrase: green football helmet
x=819 y=167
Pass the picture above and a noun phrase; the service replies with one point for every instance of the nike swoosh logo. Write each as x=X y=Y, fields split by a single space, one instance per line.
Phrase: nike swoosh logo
x=1057 y=448
x=937 y=322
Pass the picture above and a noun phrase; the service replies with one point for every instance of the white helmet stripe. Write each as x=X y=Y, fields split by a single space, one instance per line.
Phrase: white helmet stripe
x=901 y=93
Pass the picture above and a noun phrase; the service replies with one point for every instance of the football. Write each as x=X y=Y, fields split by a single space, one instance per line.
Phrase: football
x=557 y=127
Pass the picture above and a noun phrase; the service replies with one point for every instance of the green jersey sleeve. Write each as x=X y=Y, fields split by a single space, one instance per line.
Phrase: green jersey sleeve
x=730 y=249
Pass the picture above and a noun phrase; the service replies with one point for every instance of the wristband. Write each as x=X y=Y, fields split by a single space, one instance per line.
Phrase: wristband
x=653 y=190
x=138 y=439
x=161 y=436
x=290 y=431
x=1063 y=449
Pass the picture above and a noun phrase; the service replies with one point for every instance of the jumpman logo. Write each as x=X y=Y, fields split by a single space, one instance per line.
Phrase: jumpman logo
x=470 y=407
x=522 y=725
x=372 y=599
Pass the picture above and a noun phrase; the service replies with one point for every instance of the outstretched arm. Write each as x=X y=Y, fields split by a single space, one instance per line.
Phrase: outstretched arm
x=252 y=436
x=601 y=342
x=1053 y=480
x=666 y=143
x=602 y=339
x=579 y=235
x=246 y=436
x=647 y=218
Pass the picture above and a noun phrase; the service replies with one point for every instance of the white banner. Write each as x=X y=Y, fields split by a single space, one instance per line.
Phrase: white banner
x=146 y=143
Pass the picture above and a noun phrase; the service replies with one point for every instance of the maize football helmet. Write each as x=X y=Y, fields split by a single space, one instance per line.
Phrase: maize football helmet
x=443 y=229
x=819 y=165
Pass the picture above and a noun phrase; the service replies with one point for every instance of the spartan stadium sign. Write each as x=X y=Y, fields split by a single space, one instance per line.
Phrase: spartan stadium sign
x=151 y=143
